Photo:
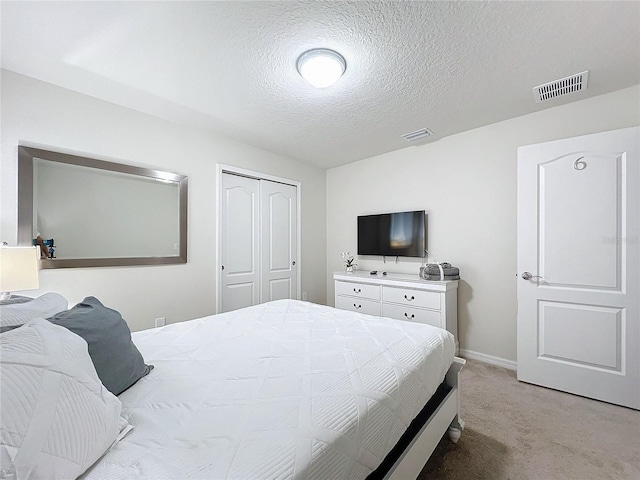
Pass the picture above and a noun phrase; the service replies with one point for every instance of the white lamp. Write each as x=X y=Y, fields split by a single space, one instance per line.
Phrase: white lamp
x=18 y=269
x=321 y=67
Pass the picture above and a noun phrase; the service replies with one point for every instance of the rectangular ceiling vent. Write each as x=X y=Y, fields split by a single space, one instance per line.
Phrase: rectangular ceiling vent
x=417 y=135
x=564 y=86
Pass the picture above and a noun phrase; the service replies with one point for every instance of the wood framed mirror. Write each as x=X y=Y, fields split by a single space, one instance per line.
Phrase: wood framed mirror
x=86 y=212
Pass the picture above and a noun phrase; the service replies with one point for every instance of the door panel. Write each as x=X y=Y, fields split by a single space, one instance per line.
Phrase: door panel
x=240 y=242
x=239 y=295
x=240 y=230
x=595 y=332
x=591 y=201
x=279 y=241
x=579 y=238
x=279 y=222
x=280 y=288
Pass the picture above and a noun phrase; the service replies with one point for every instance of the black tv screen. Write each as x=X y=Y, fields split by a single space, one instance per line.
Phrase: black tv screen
x=400 y=234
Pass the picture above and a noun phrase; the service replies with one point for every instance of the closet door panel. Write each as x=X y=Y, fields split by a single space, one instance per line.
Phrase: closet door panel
x=240 y=242
x=279 y=240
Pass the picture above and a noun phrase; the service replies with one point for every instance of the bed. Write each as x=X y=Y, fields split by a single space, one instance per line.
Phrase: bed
x=286 y=389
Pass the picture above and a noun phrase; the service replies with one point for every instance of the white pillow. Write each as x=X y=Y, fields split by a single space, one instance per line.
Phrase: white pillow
x=56 y=417
x=44 y=306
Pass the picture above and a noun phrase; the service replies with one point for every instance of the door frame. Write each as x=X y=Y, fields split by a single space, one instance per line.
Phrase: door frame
x=220 y=170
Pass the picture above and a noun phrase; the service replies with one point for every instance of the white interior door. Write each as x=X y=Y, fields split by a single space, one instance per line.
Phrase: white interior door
x=279 y=241
x=240 y=242
x=579 y=266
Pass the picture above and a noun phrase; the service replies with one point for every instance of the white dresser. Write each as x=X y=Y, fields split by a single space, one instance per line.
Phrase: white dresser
x=401 y=296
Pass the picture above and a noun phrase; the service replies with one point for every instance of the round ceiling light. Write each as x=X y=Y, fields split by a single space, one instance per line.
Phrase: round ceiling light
x=321 y=67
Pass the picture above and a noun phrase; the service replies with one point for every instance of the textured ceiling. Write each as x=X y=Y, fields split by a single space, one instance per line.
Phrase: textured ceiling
x=230 y=66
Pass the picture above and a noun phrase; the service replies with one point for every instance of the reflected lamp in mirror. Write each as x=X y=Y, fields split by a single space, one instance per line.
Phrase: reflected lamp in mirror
x=18 y=269
x=100 y=213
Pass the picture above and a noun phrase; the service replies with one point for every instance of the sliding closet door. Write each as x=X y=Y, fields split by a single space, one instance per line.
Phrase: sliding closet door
x=279 y=240
x=240 y=242
x=258 y=241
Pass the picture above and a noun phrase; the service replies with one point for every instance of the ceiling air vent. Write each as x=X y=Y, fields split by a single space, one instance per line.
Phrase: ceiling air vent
x=417 y=135
x=564 y=86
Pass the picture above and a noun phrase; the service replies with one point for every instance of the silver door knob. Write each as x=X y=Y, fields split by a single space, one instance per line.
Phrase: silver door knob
x=529 y=276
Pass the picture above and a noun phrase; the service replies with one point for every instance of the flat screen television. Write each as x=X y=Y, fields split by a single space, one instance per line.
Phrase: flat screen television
x=400 y=234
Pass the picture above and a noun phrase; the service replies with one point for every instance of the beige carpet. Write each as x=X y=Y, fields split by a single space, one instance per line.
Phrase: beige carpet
x=518 y=431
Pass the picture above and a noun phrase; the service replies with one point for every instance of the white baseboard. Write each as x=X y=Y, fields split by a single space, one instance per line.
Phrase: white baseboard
x=500 y=362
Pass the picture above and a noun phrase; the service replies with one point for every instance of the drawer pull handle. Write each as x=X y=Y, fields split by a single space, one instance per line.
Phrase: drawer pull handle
x=357 y=306
x=357 y=291
x=409 y=299
x=412 y=315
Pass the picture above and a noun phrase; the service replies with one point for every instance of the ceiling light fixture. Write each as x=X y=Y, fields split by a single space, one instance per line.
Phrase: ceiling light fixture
x=321 y=67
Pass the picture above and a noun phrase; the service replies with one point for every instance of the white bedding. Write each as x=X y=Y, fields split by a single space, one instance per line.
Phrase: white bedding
x=285 y=389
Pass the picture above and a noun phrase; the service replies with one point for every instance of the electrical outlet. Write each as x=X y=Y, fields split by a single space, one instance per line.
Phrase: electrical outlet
x=160 y=322
x=304 y=296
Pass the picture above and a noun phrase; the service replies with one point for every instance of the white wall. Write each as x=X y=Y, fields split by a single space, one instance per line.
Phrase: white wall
x=41 y=114
x=467 y=184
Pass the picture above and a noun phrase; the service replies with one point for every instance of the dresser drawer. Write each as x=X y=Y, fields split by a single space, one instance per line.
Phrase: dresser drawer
x=358 y=290
x=361 y=305
x=414 y=298
x=401 y=312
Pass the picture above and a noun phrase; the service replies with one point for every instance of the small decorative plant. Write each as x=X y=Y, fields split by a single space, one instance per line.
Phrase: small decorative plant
x=349 y=261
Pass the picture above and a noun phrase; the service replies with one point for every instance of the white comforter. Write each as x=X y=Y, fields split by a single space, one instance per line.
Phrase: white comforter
x=285 y=389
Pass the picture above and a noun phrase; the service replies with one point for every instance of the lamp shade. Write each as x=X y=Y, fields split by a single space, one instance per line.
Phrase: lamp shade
x=321 y=67
x=18 y=268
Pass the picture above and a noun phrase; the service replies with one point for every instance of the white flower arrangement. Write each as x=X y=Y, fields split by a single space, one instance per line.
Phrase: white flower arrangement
x=349 y=260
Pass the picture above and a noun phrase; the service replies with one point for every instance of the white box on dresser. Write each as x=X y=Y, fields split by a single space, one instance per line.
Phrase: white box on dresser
x=400 y=296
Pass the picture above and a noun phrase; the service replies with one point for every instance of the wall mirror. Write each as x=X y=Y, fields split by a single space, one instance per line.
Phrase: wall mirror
x=85 y=212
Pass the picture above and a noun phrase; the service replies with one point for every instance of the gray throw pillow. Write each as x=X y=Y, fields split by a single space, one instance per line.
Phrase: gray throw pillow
x=118 y=362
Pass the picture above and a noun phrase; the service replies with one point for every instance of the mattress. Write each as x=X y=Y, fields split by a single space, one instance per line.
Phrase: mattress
x=285 y=389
